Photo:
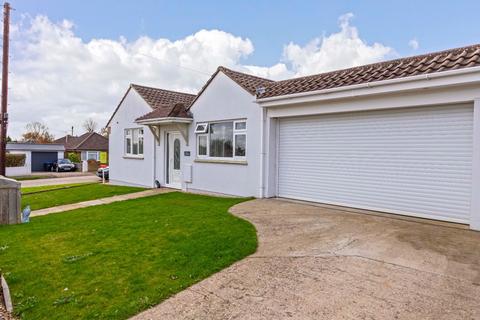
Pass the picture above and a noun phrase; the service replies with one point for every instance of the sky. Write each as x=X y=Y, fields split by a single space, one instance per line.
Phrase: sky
x=73 y=60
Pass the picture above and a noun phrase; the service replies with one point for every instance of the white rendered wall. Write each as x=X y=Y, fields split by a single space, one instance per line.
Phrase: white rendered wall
x=475 y=196
x=20 y=171
x=226 y=100
x=124 y=170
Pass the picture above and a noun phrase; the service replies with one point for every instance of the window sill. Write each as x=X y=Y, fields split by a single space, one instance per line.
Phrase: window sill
x=240 y=162
x=133 y=157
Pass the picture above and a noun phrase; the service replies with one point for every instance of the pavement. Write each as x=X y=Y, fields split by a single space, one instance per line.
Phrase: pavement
x=331 y=263
x=79 y=178
x=96 y=202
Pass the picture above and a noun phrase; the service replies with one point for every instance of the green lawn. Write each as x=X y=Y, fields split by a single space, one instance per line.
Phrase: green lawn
x=57 y=195
x=113 y=261
x=27 y=190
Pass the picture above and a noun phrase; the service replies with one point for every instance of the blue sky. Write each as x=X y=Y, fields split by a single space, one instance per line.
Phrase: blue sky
x=271 y=24
x=73 y=60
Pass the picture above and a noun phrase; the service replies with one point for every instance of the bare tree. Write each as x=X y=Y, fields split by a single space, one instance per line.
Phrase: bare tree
x=90 y=125
x=104 y=132
x=37 y=132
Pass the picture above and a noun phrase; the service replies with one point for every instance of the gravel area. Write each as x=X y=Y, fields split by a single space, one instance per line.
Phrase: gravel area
x=4 y=315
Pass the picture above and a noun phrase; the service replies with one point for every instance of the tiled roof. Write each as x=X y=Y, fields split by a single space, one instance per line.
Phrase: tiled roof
x=247 y=81
x=68 y=141
x=156 y=98
x=424 y=64
x=95 y=142
x=159 y=97
x=177 y=110
x=87 y=141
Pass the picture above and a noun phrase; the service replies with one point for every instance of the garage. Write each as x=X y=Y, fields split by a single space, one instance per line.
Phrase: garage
x=36 y=154
x=40 y=158
x=413 y=161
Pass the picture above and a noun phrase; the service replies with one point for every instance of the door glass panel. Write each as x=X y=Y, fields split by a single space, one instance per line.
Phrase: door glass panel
x=176 y=154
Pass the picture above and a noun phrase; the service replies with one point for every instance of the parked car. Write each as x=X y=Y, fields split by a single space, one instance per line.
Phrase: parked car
x=103 y=171
x=63 y=165
x=48 y=166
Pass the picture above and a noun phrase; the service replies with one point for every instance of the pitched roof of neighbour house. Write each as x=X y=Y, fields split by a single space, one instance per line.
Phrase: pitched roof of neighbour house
x=417 y=65
x=87 y=141
x=177 y=110
x=247 y=81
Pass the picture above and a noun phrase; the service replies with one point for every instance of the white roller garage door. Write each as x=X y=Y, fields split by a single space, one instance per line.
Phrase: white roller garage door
x=415 y=161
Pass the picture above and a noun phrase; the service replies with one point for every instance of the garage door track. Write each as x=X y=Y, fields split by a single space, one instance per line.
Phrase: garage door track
x=326 y=263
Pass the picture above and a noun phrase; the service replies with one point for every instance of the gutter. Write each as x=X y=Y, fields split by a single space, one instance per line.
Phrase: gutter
x=429 y=76
x=165 y=120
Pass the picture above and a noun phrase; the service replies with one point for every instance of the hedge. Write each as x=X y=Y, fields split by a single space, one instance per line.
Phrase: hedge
x=15 y=160
x=73 y=157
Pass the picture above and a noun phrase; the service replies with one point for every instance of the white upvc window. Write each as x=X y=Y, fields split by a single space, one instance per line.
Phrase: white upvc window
x=134 y=142
x=202 y=145
x=93 y=155
x=201 y=128
x=222 y=140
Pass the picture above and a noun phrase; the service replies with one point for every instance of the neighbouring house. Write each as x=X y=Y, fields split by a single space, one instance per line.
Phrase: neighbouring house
x=400 y=136
x=88 y=146
x=36 y=155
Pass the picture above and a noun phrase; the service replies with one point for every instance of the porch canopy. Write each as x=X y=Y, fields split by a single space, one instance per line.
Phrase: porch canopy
x=176 y=115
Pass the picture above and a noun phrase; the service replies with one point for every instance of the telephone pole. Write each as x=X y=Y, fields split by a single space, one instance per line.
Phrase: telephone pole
x=4 y=102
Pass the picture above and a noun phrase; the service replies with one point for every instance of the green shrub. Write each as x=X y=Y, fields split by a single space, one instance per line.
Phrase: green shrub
x=73 y=157
x=15 y=160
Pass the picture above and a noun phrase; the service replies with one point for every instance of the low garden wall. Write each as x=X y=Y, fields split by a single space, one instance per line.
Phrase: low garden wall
x=16 y=165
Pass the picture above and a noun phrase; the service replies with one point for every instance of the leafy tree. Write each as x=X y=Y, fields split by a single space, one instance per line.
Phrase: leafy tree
x=37 y=132
x=72 y=156
x=90 y=125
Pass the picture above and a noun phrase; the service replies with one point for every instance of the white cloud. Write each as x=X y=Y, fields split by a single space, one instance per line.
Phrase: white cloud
x=336 y=51
x=60 y=79
x=414 y=44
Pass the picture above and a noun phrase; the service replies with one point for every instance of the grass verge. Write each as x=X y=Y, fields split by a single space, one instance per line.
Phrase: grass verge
x=113 y=261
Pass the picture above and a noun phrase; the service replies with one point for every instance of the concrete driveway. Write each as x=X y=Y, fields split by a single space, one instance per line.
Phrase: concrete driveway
x=326 y=263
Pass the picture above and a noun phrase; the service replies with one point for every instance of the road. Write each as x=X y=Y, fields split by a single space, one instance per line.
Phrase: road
x=55 y=181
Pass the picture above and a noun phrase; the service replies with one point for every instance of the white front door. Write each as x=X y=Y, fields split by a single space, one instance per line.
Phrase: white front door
x=174 y=149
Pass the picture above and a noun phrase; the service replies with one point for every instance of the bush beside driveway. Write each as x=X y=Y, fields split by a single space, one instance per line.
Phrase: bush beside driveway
x=112 y=261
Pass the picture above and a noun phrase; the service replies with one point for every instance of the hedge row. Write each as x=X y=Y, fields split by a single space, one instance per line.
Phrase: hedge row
x=15 y=160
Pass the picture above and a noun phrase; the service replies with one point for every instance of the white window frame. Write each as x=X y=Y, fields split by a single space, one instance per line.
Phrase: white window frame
x=129 y=133
x=198 y=146
x=235 y=133
x=97 y=155
x=201 y=130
